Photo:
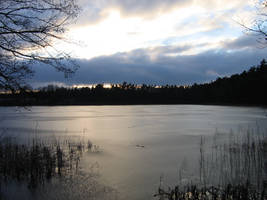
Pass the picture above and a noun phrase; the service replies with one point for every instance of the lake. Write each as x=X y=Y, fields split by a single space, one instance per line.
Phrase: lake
x=138 y=144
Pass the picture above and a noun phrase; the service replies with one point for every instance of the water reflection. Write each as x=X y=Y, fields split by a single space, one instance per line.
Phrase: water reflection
x=168 y=133
x=80 y=186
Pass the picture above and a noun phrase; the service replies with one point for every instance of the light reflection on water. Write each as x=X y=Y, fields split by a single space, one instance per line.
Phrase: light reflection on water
x=138 y=143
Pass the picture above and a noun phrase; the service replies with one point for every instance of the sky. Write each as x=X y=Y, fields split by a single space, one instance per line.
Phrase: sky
x=158 y=42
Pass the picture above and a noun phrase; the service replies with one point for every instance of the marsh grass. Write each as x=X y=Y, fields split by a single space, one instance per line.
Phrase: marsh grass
x=40 y=160
x=233 y=169
x=239 y=161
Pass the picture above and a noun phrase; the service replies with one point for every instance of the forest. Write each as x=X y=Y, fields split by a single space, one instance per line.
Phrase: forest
x=246 y=88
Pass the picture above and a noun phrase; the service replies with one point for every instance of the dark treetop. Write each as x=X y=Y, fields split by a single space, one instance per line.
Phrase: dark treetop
x=247 y=88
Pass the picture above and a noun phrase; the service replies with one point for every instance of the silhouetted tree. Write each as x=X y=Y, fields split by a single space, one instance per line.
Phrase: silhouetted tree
x=247 y=88
x=28 y=29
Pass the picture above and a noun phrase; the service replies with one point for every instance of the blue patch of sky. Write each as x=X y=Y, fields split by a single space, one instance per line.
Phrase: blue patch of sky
x=248 y=8
x=187 y=21
x=227 y=32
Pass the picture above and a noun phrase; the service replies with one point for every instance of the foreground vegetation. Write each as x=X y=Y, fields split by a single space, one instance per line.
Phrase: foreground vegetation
x=247 y=88
x=49 y=168
x=233 y=170
x=40 y=161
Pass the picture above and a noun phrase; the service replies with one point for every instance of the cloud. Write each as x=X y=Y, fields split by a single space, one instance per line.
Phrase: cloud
x=148 y=8
x=219 y=5
x=161 y=65
x=242 y=42
x=106 y=27
x=95 y=11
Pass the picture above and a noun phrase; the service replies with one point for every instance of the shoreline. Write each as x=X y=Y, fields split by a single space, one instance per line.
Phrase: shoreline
x=135 y=104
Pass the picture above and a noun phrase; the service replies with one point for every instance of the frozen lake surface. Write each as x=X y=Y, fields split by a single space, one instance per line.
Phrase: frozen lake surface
x=138 y=143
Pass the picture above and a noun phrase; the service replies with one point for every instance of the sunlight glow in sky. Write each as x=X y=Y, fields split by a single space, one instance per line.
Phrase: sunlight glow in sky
x=193 y=23
x=170 y=41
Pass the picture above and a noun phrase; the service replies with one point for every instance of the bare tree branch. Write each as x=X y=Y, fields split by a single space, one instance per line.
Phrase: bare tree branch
x=258 y=27
x=28 y=27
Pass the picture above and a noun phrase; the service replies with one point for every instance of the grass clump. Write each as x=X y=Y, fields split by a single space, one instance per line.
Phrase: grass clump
x=232 y=170
x=39 y=161
x=195 y=192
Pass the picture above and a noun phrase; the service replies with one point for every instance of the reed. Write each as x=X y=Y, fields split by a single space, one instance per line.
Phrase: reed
x=40 y=160
x=234 y=169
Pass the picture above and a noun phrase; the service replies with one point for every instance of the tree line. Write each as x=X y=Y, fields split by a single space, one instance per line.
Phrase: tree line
x=246 y=88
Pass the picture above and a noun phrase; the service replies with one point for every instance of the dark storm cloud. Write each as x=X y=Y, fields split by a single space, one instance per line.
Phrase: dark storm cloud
x=155 y=66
